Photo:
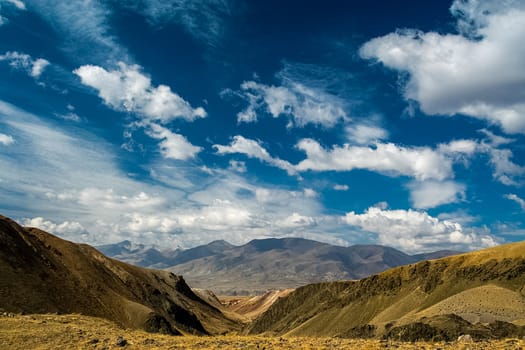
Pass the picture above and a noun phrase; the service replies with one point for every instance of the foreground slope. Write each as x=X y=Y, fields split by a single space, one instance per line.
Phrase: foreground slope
x=41 y=273
x=68 y=332
x=265 y=264
x=482 y=293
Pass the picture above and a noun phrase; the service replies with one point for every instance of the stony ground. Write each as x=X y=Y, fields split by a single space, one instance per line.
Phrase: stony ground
x=81 y=332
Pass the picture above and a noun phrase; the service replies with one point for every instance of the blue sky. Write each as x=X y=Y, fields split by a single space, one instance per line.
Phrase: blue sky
x=175 y=123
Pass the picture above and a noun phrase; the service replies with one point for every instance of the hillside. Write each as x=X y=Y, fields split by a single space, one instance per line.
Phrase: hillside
x=66 y=332
x=480 y=293
x=40 y=273
x=267 y=264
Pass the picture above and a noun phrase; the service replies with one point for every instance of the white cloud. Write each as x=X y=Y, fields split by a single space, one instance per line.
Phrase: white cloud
x=108 y=198
x=23 y=61
x=515 y=198
x=238 y=166
x=364 y=134
x=465 y=147
x=430 y=194
x=421 y=163
x=301 y=103
x=496 y=140
x=173 y=145
x=414 y=231
x=296 y=220
x=253 y=149
x=505 y=170
x=127 y=89
x=475 y=14
x=339 y=187
x=71 y=116
x=66 y=228
x=480 y=75
x=6 y=140
x=80 y=180
x=17 y=3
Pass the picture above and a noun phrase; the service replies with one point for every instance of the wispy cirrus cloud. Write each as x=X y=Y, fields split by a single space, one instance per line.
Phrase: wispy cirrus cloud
x=306 y=94
x=515 y=198
x=85 y=30
x=206 y=21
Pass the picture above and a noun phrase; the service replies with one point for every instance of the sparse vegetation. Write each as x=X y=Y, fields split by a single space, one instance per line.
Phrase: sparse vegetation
x=22 y=332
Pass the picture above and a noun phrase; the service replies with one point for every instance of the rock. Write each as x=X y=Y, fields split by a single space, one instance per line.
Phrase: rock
x=465 y=338
x=121 y=341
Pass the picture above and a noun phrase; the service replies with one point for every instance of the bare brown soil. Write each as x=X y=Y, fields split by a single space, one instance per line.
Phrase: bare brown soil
x=252 y=307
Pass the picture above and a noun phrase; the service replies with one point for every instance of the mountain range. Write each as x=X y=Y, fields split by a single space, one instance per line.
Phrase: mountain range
x=481 y=293
x=266 y=264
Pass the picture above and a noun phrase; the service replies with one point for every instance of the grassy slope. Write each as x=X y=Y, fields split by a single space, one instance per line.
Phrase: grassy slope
x=401 y=295
x=81 y=332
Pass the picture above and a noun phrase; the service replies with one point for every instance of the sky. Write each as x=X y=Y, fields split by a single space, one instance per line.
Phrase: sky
x=174 y=123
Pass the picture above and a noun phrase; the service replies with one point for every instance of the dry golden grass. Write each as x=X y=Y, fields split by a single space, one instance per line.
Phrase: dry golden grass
x=82 y=332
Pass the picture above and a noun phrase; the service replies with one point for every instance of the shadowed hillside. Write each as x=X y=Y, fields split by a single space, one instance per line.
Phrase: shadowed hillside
x=481 y=293
x=40 y=273
x=267 y=264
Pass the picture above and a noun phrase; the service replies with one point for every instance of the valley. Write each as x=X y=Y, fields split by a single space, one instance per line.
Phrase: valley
x=57 y=293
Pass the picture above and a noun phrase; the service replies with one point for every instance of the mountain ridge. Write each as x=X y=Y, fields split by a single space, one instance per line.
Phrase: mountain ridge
x=41 y=273
x=429 y=300
x=274 y=263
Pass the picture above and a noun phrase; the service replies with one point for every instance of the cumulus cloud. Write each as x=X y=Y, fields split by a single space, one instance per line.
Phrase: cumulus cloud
x=6 y=140
x=478 y=73
x=415 y=231
x=515 y=198
x=128 y=89
x=430 y=194
x=253 y=149
x=23 y=61
x=296 y=220
x=421 y=163
x=174 y=146
x=66 y=228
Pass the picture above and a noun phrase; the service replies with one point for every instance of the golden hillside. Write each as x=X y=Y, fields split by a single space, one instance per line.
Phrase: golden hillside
x=481 y=293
